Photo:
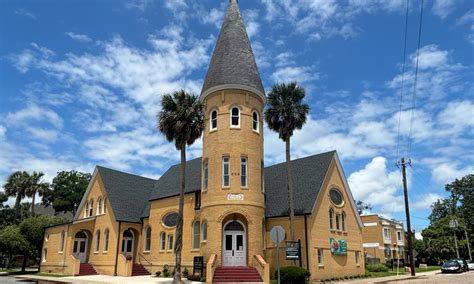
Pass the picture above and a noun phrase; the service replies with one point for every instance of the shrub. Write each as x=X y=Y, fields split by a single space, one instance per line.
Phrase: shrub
x=194 y=278
x=293 y=274
x=166 y=270
x=158 y=273
x=377 y=267
x=185 y=272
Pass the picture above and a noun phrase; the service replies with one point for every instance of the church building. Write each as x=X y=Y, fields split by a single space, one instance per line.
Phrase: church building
x=125 y=224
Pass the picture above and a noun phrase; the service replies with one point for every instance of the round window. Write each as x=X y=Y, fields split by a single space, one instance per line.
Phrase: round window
x=170 y=219
x=336 y=197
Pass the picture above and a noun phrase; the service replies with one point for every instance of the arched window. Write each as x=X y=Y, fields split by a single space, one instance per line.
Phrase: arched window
x=61 y=242
x=97 y=241
x=213 y=120
x=170 y=242
x=45 y=254
x=162 y=240
x=204 y=231
x=338 y=221
x=91 y=205
x=99 y=206
x=331 y=219
x=103 y=208
x=106 y=240
x=196 y=234
x=225 y=171
x=255 y=121
x=205 y=175
x=147 y=245
x=343 y=221
x=235 y=117
x=243 y=171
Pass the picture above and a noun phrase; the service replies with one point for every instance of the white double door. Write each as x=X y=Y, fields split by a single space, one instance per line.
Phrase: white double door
x=80 y=248
x=234 y=248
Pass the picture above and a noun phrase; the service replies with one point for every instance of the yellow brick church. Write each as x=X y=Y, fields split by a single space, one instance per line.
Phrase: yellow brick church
x=125 y=224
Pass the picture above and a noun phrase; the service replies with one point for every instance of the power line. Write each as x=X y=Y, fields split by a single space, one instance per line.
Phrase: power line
x=403 y=79
x=416 y=81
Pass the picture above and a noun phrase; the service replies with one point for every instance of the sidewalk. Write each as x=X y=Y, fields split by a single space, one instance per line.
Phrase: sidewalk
x=104 y=279
x=379 y=280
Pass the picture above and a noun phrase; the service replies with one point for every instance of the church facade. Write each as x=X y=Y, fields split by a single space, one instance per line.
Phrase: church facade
x=126 y=223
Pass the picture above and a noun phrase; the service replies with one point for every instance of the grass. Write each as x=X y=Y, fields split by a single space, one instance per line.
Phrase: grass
x=430 y=268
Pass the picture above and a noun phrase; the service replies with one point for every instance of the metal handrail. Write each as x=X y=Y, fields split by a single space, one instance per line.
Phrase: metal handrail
x=140 y=256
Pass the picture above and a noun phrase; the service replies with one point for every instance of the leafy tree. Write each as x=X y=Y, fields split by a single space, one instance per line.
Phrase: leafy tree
x=362 y=206
x=36 y=185
x=67 y=190
x=285 y=112
x=17 y=186
x=12 y=242
x=440 y=210
x=181 y=120
x=33 y=229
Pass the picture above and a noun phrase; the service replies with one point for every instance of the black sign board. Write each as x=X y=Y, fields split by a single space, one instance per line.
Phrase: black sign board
x=292 y=250
x=198 y=265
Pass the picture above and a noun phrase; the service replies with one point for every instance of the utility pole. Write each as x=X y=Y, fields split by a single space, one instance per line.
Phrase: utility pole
x=407 y=212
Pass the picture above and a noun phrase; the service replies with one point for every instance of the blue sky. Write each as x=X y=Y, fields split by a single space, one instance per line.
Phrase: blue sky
x=81 y=83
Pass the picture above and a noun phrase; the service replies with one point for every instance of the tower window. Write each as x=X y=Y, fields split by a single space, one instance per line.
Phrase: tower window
x=225 y=171
x=205 y=175
x=213 y=122
x=255 y=121
x=331 y=219
x=162 y=240
x=235 y=117
x=243 y=172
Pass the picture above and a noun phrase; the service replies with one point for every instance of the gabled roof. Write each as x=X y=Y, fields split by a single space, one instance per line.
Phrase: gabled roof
x=127 y=193
x=169 y=183
x=233 y=63
x=308 y=177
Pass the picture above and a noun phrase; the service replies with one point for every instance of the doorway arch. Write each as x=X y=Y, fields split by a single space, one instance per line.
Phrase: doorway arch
x=234 y=244
x=80 y=247
x=128 y=243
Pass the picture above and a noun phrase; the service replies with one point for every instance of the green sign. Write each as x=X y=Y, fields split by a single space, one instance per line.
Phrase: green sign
x=338 y=246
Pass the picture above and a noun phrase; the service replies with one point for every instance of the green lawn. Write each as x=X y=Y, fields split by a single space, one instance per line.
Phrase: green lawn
x=430 y=268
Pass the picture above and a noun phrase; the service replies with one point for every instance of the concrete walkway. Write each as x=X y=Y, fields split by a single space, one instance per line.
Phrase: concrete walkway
x=103 y=279
x=380 y=280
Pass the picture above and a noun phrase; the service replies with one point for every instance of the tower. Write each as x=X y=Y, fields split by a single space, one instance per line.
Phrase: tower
x=233 y=204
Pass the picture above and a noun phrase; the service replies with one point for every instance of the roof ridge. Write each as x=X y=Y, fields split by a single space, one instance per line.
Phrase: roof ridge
x=121 y=172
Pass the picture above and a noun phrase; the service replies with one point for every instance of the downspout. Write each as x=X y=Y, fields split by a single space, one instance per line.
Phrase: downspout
x=117 y=248
x=306 y=242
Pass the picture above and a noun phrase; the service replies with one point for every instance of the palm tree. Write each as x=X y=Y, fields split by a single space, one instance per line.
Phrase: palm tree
x=17 y=186
x=181 y=120
x=285 y=112
x=36 y=185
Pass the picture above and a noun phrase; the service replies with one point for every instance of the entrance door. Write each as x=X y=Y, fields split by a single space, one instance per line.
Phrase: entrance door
x=80 y=246
x=234 y=245
x=127 y=243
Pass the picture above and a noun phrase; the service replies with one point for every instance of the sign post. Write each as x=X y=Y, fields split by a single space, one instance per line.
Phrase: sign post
x=277 y=234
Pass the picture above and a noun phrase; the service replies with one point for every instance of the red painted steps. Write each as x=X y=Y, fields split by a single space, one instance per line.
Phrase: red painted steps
x=139 y=270
x=236 y=274
x=86 y=269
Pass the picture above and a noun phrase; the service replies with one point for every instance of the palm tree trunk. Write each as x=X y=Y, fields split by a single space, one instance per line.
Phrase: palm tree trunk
x=291 y=201
x=179 y=228
x=33 y=204
x=17 y=205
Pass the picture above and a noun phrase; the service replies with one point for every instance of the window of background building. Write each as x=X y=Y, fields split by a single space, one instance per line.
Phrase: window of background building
x=61 y=243
x=45 y=254
x=320 y=257
x=147 y=245
x=243 y=172
x=235 y=117
x=386 y=233
x=99 y=206
x=399 y=235
x=91 y=205
x=204 y=231
x=225 y=171
x=357 y=258
x=213 y=120
x=97 y=241
x=106 y=240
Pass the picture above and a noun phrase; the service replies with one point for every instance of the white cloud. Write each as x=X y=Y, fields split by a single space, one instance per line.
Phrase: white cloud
x=139 y=5
x=301 y=74
x=251 y=22
x=430 y=56
x=376 y=185
x=25 y=13
x=445 y=173
x=425 y=201
x=34 y=113
x=78 y=37
x=443 y=8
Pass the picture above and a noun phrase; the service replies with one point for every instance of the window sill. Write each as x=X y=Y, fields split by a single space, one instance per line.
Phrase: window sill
x=96 y=252
x=235 y=127
x=60 y=252
x=225 y=187
x=357 y=265
x=195 y=250
x=244 y=187
x=332 y=231
x=213 y=130
x=204 y=242
x=256 y=132
x=146 y=252
x=105 y=252
x=320 y=265
x=169 y=251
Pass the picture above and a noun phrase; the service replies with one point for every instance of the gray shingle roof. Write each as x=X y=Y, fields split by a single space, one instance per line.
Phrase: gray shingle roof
x=308 y=177
x=233 y=61
x=127 y=193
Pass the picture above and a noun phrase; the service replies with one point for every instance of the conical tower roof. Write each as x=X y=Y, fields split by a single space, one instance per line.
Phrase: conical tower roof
x=233 y=63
